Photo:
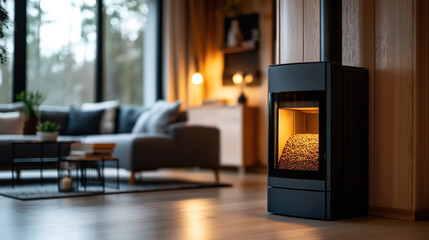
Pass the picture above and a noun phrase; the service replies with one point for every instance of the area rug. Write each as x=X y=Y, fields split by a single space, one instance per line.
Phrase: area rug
x=50 y=190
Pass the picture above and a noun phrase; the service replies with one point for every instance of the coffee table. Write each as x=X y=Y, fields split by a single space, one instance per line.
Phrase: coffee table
x=82 y=164
x=35 y=153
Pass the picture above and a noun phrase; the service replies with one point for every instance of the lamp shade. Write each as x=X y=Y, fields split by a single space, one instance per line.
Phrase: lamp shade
x=237 y=78
x=248 y=78
x=197 y=78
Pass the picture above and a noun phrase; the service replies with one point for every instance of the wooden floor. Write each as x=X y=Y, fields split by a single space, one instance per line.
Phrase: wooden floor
x=237 y=212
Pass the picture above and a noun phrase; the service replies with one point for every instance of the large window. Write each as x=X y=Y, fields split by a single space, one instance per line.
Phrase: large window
x=61 y=47
x=129 y=49
x=73 y=57
x=6 y=69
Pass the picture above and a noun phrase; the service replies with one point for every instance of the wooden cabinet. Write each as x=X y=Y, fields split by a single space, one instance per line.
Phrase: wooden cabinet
x=237 y=125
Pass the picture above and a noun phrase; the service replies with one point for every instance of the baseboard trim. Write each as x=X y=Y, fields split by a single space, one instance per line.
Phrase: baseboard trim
x=409 y=215
x=422 y=214
x=248 y=169
x=392 y=213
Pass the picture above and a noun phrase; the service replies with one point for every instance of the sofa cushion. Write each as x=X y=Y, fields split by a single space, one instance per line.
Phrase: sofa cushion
x=84 y=122
x=12 y=122
x=127 y=116
x=107 y=124
x=162 y=116
x=12 y=107
x=56 y=114
x=141 y=125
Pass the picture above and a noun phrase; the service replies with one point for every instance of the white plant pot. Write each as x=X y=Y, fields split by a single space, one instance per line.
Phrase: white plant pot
x=47 y=136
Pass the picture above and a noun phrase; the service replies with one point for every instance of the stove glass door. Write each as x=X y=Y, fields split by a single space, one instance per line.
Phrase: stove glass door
x=298 y=135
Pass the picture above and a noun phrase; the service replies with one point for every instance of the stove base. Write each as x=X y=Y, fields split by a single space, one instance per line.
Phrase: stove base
x=298 y=203
x=317 y=204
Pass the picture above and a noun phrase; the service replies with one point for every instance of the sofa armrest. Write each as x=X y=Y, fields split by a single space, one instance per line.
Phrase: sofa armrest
x=197 y=145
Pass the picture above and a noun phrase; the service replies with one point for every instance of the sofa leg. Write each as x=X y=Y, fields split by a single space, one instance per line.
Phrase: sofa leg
x=132 y=177
x=216 y=174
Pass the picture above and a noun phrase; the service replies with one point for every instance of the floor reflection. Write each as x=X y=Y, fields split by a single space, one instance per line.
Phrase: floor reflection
x=194 y=216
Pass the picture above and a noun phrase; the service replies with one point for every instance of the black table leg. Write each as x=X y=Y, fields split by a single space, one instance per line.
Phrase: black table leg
x=58 y=176
x=84 y=176
x=102 y=173
x=41 y=164
x=13 y=165
x=117 y=174
x=58 y=164
x=77 y=176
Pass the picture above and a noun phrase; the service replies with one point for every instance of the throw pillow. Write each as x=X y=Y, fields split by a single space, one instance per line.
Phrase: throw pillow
x=84 y=122
x=12 y=123
x=126 y=117
x=57 y=114
x=107 y=124
x=162 y=116
x=141 y=124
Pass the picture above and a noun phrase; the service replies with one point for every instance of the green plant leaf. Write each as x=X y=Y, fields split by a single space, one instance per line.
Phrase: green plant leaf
x=31 y=100
x=48 y=126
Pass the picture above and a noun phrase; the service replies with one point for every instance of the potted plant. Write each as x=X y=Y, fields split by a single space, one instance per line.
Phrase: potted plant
x=31 y=101
x=47 y=131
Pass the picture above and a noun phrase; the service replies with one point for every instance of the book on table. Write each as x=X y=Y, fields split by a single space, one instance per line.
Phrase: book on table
x=91 y=151
x=93 y=147
x=89 y=154
x=89 y=158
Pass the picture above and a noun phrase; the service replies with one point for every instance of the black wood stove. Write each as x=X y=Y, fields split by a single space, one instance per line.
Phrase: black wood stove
x=318 y=132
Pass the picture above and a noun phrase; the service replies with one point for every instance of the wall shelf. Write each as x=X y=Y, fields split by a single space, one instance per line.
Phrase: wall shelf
x=243 y=58
x=237 y=49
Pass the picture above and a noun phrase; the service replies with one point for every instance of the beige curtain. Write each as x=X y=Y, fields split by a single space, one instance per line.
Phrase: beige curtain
x=202 y=16
x=175 y=51
x=190 y=41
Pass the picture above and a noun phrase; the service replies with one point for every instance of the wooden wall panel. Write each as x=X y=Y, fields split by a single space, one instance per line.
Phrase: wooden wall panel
x=311 y=30
x=291 y=35
x=277 y=35
x=421 y=104
x=358 y=50
x=393 y=104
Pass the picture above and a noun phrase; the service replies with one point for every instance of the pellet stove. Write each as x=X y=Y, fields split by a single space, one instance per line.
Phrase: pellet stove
x=318 y=132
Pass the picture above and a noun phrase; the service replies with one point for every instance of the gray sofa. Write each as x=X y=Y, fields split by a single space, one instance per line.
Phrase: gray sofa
x=181 y=146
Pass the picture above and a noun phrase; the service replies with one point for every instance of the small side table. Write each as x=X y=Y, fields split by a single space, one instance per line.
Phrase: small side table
x=38 y=158
x=82 y=164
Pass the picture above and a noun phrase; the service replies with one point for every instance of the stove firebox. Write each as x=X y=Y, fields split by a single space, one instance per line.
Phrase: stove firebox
x=318 y=140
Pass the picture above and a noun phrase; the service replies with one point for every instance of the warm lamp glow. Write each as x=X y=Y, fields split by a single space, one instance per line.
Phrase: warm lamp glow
x=197 y=78
x=248 y=78
x=237 y=78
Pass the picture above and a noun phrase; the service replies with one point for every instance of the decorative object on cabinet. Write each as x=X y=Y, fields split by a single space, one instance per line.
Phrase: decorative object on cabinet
x=238 y=129
x=234 y=36
x=242 y=56
x=241 y=79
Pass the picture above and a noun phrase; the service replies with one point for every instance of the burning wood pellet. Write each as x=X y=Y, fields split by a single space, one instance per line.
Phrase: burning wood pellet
x=301 y=152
